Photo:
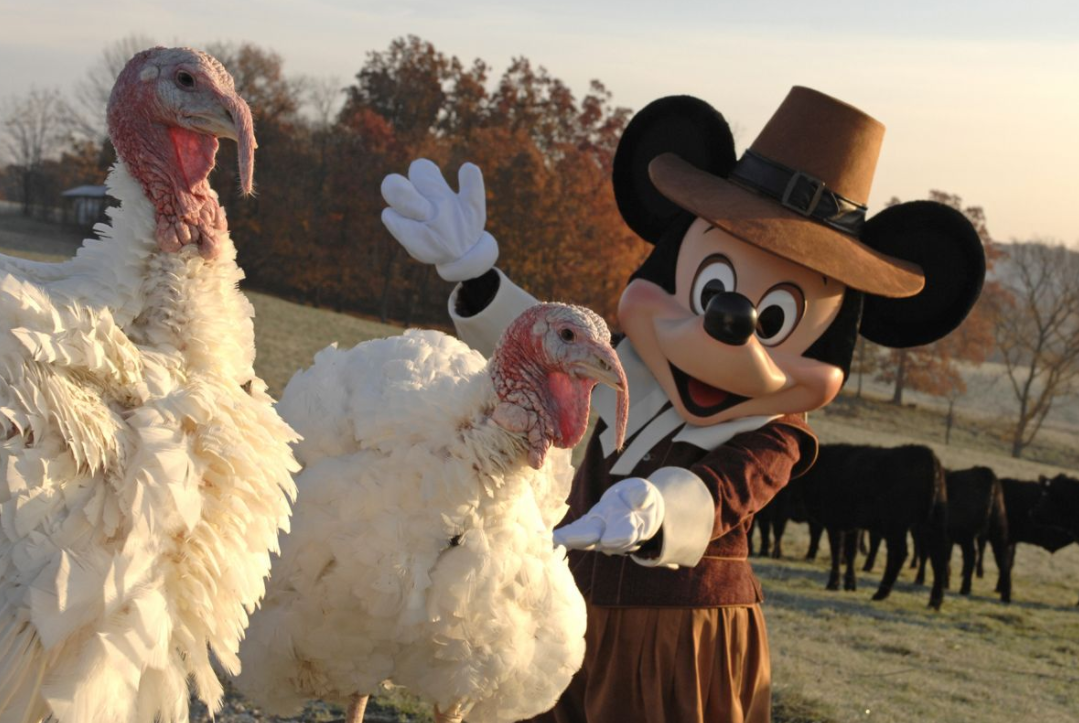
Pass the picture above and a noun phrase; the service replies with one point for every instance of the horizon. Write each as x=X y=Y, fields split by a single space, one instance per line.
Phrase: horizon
x=979 y=100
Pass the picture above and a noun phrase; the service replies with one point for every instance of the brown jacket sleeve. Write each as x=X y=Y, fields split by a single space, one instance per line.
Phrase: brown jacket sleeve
x=746 y=473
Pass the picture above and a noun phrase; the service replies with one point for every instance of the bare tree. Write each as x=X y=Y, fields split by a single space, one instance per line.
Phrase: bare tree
x=1038 y=334
x=34 y=128
x=322 y=98
x=932 y=368
x=867 y=360
x=92 y=90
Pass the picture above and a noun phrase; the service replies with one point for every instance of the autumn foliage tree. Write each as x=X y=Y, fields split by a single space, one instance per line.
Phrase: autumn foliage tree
x=546 y=159
x=313 y=233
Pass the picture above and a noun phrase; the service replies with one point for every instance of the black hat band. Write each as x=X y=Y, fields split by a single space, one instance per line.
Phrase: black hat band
x=799 y=192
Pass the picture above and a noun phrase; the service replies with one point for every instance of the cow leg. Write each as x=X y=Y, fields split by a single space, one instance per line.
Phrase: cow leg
x=897 y=553
x=1005 y=557
x=916 y=550
x=939 y=548
x=779 y=526
x=835 y=542
x=950 y=547
x=766 y=543
x=921 y=554
x=979 y=565
x=921 y=558
x=815 y=531
x=871 y=555
x=850 y=552
x=967 y=547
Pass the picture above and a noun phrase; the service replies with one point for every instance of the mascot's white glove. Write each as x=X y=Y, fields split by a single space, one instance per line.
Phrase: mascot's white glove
x=438 y=226
x=628 y=514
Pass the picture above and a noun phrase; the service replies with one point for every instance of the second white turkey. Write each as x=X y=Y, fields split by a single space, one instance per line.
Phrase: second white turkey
x=421 y=549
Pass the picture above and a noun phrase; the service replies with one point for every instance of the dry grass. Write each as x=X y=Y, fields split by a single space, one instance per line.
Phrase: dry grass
x=837 y=656
x=288 y=335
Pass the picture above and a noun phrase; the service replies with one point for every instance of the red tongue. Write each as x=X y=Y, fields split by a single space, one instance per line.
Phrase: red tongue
x=704 y=395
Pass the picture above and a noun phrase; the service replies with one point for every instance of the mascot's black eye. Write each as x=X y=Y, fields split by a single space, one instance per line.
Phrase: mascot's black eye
x=715 y=275
x=778 y=313
x=185 y=79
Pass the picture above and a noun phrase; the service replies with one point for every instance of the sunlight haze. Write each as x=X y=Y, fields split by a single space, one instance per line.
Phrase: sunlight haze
x=979 y=99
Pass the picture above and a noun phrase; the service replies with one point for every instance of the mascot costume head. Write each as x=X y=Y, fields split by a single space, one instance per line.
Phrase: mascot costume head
x=765 y=268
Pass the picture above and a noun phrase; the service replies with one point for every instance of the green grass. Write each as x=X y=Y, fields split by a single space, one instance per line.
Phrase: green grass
x=837 y=656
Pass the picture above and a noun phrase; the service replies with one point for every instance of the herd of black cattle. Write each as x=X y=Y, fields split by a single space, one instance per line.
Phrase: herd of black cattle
x=890 y=492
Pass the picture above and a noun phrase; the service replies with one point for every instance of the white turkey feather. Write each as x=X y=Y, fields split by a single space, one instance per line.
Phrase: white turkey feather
x=420 y=549
x=142 y=488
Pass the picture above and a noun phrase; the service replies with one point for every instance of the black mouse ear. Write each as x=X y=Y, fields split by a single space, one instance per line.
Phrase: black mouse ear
x=943 y=242
x=678 y=124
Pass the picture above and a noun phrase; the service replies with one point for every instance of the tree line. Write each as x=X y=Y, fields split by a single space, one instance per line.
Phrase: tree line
x=313 y=232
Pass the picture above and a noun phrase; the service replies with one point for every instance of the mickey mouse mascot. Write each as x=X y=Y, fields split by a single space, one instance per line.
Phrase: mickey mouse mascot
x=742 y=319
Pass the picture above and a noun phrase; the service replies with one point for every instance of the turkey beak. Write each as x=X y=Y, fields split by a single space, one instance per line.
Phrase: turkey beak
x=243 y=129
x=230 y=117
x=218 y=122
x=603 y=366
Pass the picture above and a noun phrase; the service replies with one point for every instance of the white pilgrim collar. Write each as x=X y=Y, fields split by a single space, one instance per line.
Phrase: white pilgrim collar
x=646 y=399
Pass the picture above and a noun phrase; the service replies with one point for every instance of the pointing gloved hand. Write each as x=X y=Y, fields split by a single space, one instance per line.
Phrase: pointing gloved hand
x=438 y=226
x=628 y=514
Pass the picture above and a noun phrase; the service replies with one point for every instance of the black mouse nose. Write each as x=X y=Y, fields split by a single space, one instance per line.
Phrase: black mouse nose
x=730 y=318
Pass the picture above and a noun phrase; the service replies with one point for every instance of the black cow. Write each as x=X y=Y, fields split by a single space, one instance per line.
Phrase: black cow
x=888 y=490
x=975 y=510
x=1021 y=498
x=771 y=522
x=1058 y=506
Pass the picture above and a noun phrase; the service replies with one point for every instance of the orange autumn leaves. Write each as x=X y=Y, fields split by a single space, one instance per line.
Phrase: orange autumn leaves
x=314 y=232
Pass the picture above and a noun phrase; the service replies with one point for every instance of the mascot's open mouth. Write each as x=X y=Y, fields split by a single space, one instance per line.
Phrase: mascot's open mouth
x=701 y=399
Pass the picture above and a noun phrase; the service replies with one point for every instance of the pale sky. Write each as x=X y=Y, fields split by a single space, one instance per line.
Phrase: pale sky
x=980 y=99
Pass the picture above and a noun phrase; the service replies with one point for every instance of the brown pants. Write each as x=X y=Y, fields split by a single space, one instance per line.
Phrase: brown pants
x=670 y=665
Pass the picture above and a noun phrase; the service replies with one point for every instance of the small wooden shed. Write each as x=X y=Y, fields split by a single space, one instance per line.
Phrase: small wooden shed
x=84 y=205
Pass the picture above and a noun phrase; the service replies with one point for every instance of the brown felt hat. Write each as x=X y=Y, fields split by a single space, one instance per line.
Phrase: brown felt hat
x=800 y=192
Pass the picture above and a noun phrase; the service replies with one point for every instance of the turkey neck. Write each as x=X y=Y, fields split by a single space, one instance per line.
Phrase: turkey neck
x=491 y=450
x=520 y=386
x=166 y=300
x=186 y=208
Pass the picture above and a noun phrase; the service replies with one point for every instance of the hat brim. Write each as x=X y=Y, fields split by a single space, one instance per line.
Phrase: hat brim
x=766 y=224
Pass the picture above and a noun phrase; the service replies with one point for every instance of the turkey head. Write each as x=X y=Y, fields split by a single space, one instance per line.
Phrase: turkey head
x=167 y=110
x=544 y=369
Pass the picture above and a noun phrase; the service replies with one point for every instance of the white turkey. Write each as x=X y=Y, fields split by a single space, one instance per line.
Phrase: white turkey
x=144 y=475
x=421 y=550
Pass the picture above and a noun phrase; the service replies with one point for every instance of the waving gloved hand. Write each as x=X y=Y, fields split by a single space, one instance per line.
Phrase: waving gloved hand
x=628 y=514
x=436 y=225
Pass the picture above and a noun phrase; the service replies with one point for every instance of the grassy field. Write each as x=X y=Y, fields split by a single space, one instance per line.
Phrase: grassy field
x=837 y=656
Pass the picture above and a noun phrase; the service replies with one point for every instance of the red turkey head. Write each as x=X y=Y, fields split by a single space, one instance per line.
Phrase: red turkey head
x=167 y=110
x=544 y=369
